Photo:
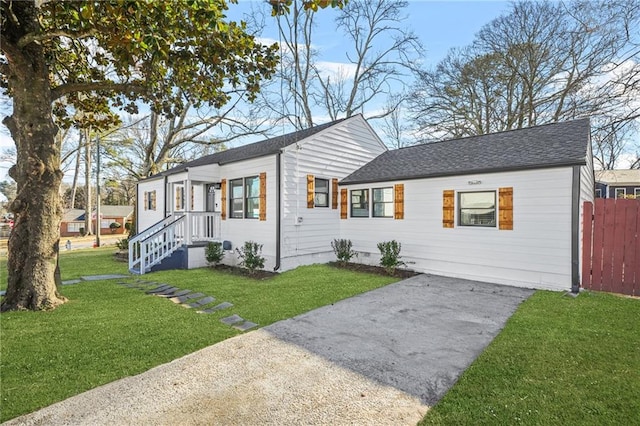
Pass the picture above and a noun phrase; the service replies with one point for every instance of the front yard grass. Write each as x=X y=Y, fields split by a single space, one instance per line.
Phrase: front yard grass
x=558 y=361
x=106 y=331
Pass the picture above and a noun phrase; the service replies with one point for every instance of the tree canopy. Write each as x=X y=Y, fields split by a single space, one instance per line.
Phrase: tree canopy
x=64 y=58
x=542 y=62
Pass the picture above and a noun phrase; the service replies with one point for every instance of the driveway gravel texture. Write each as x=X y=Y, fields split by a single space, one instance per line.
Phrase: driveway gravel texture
x=379 y=358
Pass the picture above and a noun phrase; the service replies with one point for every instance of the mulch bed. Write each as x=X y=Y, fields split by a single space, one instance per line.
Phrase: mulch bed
x=372 y=269
x=236 y=270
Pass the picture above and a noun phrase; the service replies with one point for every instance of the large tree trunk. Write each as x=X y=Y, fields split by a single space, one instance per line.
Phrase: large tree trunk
x=37 y=207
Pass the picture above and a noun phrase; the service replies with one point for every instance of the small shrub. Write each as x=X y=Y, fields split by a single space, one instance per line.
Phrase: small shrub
x=250 y=257
x=214 y=253
x=82 y=232
x=390 y=256
x=342 y=249
x=123 y=244
x=115 y=225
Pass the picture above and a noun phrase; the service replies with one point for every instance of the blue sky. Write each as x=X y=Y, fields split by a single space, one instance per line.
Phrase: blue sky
x=440 y=25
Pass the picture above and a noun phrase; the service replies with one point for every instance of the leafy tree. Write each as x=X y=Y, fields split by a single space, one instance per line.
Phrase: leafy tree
x=91 y=56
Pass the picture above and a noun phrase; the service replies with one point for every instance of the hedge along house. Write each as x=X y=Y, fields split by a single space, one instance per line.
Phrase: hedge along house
x=281 y=192
x=503 y=208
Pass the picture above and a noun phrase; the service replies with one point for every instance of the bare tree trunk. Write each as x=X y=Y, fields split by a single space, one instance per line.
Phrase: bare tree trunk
x=37 y=206
x=76 y=172
x=88 y=223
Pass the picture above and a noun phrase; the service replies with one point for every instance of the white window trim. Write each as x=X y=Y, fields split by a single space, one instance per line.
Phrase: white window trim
x=624 y=192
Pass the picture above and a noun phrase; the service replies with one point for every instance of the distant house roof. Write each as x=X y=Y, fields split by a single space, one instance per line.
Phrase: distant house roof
x=253 y=150
x=116 y=211
x=550 y=145
x=77 y=215
x=619 y=177
x=73 y=215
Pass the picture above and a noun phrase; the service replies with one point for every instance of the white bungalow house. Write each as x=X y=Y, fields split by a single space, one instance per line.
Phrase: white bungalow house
x=503 y=208
x=281 y=192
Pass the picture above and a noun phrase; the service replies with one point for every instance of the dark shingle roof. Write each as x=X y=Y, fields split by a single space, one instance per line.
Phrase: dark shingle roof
x=253 y=150
x=550 y=145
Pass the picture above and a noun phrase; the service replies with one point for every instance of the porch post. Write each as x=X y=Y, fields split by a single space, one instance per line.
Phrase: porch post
x=187 y=210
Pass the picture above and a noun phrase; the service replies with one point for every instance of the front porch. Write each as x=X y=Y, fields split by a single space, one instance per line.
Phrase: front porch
x=163 y=241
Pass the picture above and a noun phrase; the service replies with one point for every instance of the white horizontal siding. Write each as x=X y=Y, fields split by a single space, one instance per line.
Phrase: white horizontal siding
x=536 y=253
x=240 y=230
x=206 y=173
x=331 y=154
x=146 y=218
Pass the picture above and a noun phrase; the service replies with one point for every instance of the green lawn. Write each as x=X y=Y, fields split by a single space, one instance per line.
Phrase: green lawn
x=558 y=361
x=107 y=331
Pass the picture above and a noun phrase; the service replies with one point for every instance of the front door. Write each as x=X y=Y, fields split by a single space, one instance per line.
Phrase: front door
x=210 y=204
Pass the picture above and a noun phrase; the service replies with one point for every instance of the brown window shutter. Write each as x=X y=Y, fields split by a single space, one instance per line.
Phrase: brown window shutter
x=153 y=200
x=223 y=191
x=263 y=196
x=178 y=204
x=146 y=198
x=310 y=191
x=448 y=208
x=192 y=198
x=505 y=207
x=334 y=193
x=398 y=201
x=343 y=203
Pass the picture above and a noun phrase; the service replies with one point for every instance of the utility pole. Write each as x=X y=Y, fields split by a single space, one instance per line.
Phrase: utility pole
x=98 y=218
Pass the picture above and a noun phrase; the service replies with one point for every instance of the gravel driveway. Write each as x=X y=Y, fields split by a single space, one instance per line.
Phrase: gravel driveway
x=380 y=358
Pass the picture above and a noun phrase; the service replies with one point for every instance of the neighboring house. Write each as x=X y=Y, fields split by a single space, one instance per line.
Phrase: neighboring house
x=73 y=220
x=476 y=207
x=618 y=183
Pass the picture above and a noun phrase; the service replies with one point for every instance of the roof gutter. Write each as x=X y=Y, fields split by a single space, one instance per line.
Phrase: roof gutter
x=278 y=210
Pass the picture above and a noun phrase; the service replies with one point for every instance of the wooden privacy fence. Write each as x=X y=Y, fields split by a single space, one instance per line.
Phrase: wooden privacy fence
x=611 y=246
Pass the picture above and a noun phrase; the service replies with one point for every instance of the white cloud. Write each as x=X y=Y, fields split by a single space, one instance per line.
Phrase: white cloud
x=336 y=70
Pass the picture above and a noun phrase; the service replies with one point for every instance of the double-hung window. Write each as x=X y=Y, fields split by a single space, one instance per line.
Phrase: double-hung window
x=252 y=197
x=477 y=208
x=321 y=193
x=621 y=192
x=359 y=203
x=244 y=198
x=236 y=195
x=382 y=202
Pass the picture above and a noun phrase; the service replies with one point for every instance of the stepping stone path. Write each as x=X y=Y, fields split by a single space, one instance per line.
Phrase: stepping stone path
x=201 y=302
x=239 y=323
x=223 y=305
x=187 y=299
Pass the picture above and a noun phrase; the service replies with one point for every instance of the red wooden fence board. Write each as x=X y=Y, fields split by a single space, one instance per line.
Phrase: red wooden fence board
x=587 y=243
x=618 y=245
x=632 y=214
x=598 y=237
x=614 y=245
